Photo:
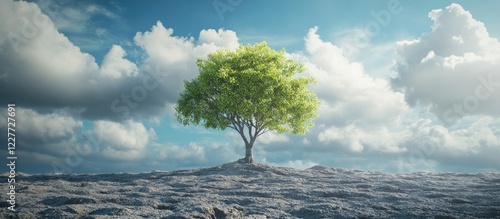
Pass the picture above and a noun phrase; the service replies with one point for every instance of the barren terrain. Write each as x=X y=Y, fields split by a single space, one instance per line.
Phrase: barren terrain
x=237 y=190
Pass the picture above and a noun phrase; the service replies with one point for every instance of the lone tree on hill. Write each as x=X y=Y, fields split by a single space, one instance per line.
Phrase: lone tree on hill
x=251 y=90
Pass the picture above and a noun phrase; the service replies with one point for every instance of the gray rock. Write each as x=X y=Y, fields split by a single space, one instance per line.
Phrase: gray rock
x=239 y=190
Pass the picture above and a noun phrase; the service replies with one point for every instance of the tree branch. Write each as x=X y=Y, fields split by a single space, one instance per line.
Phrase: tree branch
x=263 y=131
x=239 y=126
x=249 y=130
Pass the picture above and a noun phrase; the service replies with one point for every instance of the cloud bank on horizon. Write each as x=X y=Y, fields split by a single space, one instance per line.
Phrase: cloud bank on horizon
x=438 y=111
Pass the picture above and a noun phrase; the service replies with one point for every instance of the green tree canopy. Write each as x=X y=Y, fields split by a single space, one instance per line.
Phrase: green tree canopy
x=252 y=90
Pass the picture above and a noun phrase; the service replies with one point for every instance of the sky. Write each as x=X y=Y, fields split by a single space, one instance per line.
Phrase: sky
x=404 y=86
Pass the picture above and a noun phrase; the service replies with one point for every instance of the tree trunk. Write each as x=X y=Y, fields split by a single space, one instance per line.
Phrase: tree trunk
x=248 y=153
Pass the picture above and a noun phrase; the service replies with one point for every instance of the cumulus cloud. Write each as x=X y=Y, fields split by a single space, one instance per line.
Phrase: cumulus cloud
x=116 y=66
x=56 y=81
x=272 y=137
x=363 y=118
x=176 y=153
x=352 y=102
x=195 y=154
x=220 y=38
x=41 y=138
x=45 y=138
x=50 y=72
x=172 y=59
x=363 y=122
x=355 y=139
x=349 y=95
x=46 y=126
x=453 y=69
x=122 y=136
x=122 y=141
x=37 y=60
x=434 y=145
x=359 y=117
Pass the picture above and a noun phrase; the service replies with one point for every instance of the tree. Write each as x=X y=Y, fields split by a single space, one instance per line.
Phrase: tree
x=252 y=90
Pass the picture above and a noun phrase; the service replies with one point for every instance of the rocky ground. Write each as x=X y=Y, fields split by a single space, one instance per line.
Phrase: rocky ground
x=238 y=190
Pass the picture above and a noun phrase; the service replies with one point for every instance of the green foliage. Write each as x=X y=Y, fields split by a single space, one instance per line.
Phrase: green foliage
x=254 y=87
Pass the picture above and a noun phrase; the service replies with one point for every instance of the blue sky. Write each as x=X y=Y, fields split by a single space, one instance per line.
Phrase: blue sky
x=276 y=22
x=404 y=85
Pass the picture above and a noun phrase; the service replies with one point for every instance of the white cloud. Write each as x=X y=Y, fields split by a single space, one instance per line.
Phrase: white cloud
x=356 y=139
x=115 y=66
x=160 y=45
x=172 y=59
x=192 y=152
x=353 y=41
x=305 y=141
x=42 y=138
x=48 y=70
x=38 y=61
x=453 y=69
x=46 y=126
x=346 y=91
x=363 y=117
x=357 y=112
x=272 y=137
x=362 y=122
x=123 y=141
x=475 y=145
x=220 y=38
x=51 y=74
